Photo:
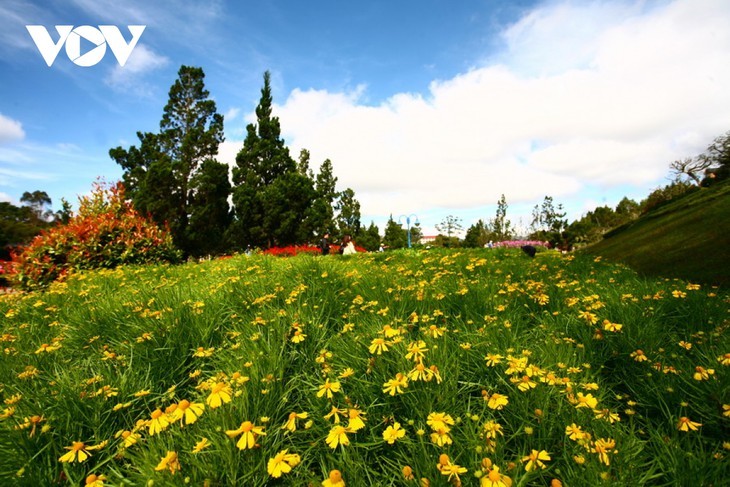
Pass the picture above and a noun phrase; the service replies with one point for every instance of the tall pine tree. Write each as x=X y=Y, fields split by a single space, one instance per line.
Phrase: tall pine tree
x=158 y=174
x=270 y=195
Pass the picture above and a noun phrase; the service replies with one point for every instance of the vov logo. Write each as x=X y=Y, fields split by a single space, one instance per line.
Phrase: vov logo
x=71 y=36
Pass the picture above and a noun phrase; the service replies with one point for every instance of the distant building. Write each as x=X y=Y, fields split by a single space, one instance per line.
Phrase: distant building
x=427 y=239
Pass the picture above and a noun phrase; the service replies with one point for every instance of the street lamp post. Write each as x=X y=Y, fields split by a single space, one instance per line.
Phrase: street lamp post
x=408 y=225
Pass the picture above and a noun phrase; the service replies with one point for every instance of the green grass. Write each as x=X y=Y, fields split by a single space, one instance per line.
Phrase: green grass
x=128 y=342
x=687 y=238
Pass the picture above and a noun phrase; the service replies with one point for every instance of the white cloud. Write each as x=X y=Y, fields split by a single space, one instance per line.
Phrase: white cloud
x=5 y=197
x=130 y=76
x=584 y=99
x=595 y=95
x=10 y=130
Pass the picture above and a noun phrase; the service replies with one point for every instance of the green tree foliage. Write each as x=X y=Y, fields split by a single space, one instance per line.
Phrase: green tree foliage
x=272 y=194
x=322 y=213
x=19 y=224
x=210 y=214
x=368 y=238
x=500 y=227
x=662 y=196
x=395 y=235
x=476 y=235
x=105 y=232
x=160 y=171
x=450 y=225
x=348 y=213
x=549 y=223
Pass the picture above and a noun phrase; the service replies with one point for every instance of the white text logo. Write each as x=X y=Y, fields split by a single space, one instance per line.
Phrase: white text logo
x=71 y=37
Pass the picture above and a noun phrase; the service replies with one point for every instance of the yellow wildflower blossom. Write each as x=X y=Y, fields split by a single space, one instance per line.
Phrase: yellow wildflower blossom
x=282 y=463
x=685 y=424
x=291 y=423
x=338 y=436
x=220 y=394
x=535 y=460
x=393 y=432
x=328 y=388
x=396 y=386
x=334 y=479
x=169 y=462
x=249 y=434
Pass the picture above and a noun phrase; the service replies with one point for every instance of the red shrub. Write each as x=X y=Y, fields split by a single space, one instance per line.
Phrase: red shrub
x=105 y=233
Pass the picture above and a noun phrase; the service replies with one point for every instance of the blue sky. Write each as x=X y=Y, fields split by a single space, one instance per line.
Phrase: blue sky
x=424 y=107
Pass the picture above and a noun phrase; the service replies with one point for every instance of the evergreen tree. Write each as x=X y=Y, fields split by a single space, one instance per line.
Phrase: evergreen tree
x=500 y=225
x=395 y=235
x=322 y=214
x=264 y=179
x=348 y=213
x=476 y=235
x=158 y=174
x=210 y=214
x=369 y=238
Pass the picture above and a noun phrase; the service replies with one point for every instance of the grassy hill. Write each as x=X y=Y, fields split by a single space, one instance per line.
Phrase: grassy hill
x=687 y=238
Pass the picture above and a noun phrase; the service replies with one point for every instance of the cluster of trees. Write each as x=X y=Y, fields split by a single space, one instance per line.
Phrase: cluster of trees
x=269 y=199
x=19 y=224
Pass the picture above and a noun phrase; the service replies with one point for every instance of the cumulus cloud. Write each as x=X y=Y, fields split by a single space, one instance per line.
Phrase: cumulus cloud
x=595 y=95
x=10 y=130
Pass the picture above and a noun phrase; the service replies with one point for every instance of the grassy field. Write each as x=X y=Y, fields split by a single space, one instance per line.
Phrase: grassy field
x=687 y=238
x=479 y=367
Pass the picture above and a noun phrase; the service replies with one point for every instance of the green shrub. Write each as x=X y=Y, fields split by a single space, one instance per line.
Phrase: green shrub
x=106 y=232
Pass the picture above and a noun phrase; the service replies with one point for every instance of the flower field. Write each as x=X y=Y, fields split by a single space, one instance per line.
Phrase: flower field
x=479 y=367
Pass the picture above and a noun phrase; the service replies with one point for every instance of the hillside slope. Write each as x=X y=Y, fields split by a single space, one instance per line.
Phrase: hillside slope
x=688 y=238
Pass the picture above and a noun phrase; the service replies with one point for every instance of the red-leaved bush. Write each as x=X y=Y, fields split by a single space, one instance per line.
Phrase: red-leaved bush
x=106 y=232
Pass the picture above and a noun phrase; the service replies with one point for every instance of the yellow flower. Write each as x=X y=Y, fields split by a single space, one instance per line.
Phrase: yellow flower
x=603 y=448
x=440 y=421
x=338 y=436
x=441 y=437
x=493 y=478
x=639 y=356
x=614 y=327
x=574 y=432
x=334 y=480
x=420 y=372
x=525 y=383
x=187 y=412
x=378 y=345
x=396 y=386
x=726 y=410
x=328 y=388
x=724 y=359
x=348 y=372
x=169 y=462
x=356 y=419
x=586 y=401
x=416 y=351
x=607 y=415
x=408 y=473
x=158 y=422
x=451 y=469
x=702 y=373
x=220 y=394
x=393 y=433
x=79 y=452
x=201 y=445
x=535 y=459
x=685 y=424
x=282 y=463
x=94 y=480
x=249 y=433
x=291 y=423
x=492 y=429
x=497 y=401
x=493 y=359
x=129 y=438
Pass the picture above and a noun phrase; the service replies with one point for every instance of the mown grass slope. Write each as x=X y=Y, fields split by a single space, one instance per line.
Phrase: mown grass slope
x=688 y=238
